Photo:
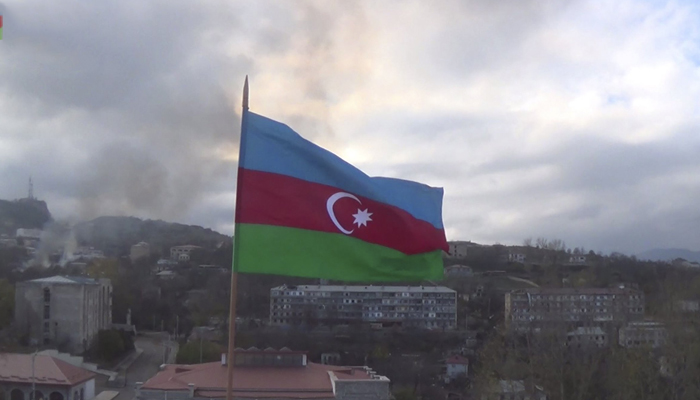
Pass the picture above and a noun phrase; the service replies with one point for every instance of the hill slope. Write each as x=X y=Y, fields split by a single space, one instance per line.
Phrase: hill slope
x=669 y=254
x=23 y=213
x=115 y=235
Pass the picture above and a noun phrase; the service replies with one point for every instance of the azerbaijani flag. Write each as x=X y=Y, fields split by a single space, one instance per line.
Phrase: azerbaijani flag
x=0 y=27
x=303 y=211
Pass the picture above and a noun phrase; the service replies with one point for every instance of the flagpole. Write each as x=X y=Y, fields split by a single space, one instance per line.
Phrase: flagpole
x=234 y=273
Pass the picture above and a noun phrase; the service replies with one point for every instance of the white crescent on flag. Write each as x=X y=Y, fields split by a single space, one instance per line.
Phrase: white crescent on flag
x=361 y=218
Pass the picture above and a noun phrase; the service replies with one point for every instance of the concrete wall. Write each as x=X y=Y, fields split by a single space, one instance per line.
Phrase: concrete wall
x=376 y=389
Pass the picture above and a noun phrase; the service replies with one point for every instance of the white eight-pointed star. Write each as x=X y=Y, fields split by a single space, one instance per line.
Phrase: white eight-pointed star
x=362 y=217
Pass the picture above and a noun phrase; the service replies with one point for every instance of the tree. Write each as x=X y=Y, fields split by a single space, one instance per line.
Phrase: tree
x=198 y=351
x=7 y=303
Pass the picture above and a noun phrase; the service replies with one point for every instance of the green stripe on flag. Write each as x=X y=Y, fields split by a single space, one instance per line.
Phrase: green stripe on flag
x=279 y=250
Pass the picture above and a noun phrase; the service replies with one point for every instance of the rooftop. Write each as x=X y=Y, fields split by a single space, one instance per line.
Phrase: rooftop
x=457 y=359
x=570 y=291
x=367 y=288
x=71 y=280
x=17 y=368
x=209 y=380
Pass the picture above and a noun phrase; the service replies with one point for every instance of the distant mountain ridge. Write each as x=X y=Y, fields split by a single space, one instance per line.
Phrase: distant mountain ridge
x=669 y=255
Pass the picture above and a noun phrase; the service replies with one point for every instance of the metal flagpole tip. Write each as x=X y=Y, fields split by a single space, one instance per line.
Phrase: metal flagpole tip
x=245 y=93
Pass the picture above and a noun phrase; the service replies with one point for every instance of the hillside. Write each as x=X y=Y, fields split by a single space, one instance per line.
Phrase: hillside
x=669 y=255
x=23 y=213
x=115 y=235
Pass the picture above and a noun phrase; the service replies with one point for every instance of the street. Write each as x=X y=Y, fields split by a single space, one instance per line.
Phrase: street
x=147 y=365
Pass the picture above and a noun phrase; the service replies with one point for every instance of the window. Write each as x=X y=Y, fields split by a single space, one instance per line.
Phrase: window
x=47 y=312
x=47 y=295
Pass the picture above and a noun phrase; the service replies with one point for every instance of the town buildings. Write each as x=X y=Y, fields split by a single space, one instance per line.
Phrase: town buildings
x=274 y=374
x=66 y=311
x=417 y=306
x=643 y=334
x=139 y=250
x=587 y=337
x=456 y=367
x=538 y=308
x=182 y=253
x=53 y=379
x=458 y=249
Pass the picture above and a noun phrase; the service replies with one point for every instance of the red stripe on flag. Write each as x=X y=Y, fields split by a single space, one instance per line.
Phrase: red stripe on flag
x=273 y=199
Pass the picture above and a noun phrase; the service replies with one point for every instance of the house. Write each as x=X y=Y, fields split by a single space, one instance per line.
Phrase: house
x=516 y=257
x=139 y=250
x=182 y=253
x=65 y=311
x=53 y=379
x=458 y=249
x=166 y=275
x=514 y=390
x=456 y=367
x=578 y=259
x=276 y=374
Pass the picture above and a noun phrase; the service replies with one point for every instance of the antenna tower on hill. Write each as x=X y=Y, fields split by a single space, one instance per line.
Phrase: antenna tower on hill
x=30 y=195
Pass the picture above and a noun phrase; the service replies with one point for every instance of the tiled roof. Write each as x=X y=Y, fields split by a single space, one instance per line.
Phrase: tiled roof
x=74 y=280
x=17 y=368
x=457 y=359
x=310 y=382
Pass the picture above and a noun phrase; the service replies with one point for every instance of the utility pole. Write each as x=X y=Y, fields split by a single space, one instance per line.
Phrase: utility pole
x=200 y=348
x=31 y=397
x=177 y=327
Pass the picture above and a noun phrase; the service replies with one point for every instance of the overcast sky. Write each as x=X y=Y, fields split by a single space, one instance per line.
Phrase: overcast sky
x=576 y=120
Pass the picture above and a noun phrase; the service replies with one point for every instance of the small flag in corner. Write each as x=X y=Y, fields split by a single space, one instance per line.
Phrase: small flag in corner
x=0 y=27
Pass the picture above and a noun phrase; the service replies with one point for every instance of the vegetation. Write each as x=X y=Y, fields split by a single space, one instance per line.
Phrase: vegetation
x=196 y=352
x=111 y=345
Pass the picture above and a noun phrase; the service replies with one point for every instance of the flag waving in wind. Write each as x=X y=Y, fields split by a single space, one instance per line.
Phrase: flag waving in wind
x=303 y=211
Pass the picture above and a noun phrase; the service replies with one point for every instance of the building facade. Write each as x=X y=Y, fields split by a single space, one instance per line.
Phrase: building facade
x=526 y=309
x=269 y=374
x=66 y=311
x=53 y=379
x=182 y=253
x=418 y=306
x=139 y=250
x=643 y=333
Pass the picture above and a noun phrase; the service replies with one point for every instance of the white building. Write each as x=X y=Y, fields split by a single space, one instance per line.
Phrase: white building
x=23 y=233
x=419 y=306
x=182 y=253
x=587 y=337
x=516 y=257
x=456 y=367
x=577 y=259
x=66 y=311
x=643 y=333
x=458 y=249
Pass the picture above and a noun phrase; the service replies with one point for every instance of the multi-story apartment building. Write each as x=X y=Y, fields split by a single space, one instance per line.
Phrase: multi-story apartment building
x=418 y=306
x=67 y=311
x=537 y=308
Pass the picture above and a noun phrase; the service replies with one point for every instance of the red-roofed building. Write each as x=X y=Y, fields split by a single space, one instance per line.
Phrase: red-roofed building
x=456 y=366
x=53 y=379
x=265 y=374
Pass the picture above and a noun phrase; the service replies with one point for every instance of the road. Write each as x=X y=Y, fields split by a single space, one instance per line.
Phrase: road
x=147 y=365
